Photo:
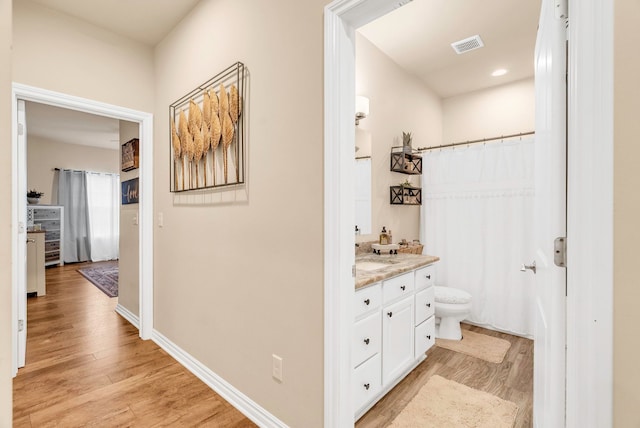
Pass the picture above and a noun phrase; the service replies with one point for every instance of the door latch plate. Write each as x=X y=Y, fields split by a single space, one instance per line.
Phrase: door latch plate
x=560 y=251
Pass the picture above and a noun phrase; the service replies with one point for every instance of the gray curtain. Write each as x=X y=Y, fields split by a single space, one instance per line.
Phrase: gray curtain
x=72 y=194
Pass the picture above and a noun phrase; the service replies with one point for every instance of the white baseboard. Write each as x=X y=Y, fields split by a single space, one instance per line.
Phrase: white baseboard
x=128 y=315
x=237 y=399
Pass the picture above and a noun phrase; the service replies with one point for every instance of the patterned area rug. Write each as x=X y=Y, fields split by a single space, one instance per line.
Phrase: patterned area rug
x=104 y=276
x=443 y=403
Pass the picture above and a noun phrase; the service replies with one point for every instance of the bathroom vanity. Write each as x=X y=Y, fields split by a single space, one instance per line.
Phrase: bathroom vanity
x=394 y=322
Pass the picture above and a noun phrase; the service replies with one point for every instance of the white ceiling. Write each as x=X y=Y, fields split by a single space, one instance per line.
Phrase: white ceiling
x=147 y=21
x=418 y=37
x=72 y=127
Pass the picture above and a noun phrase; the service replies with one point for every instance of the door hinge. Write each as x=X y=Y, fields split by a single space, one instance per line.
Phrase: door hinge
x=20 y=129
x=560 y=251
x=353 y=271
x=20 y=325
x=561 y=9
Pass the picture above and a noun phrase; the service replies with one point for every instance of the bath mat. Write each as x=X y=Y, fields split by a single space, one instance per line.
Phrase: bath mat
x=478 y=345
x=104 y=276
x=443 y=403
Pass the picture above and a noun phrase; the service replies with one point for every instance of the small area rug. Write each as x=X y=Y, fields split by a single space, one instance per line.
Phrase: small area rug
x=104 y=276
x=478 y=345
x=443 y=403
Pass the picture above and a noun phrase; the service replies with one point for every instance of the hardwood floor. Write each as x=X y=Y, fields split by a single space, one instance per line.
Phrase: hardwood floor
x=86 y=366
x=511 y=380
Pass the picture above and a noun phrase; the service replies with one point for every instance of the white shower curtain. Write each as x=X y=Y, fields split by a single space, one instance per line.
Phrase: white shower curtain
x=477 y=216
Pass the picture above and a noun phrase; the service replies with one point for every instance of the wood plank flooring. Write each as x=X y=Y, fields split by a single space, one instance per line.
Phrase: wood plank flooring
x=511 y=380
x=86 y=366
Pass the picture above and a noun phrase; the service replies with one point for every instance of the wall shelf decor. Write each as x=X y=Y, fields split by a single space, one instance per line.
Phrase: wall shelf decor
x=207 y=133
x=405 y=195
x=130 y=155
x=405 y=163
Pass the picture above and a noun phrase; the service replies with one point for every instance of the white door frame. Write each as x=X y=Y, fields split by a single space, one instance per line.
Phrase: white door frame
x=30 y=93
x=589 y=214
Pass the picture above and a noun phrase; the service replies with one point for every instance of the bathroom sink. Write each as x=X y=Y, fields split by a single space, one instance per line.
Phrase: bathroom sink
x=371 y=266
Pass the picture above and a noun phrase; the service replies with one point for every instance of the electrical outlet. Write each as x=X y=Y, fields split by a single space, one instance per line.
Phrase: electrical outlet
x=277 y=368
x=135 y=219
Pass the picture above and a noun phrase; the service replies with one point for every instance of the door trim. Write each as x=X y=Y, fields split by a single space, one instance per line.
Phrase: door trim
x=590 y=215
x=590 y=125
x=145 y=120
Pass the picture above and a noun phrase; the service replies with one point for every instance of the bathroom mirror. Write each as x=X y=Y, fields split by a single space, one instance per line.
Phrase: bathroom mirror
x=363 y=182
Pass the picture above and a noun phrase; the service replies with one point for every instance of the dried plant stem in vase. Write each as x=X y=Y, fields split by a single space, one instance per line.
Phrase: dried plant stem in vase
x=235 y=109
x=185 y=145
x=175 y=143
x=206 y=130
x=216 y=131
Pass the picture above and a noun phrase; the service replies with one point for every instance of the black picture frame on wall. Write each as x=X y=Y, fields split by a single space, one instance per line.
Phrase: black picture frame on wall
x=130 y=191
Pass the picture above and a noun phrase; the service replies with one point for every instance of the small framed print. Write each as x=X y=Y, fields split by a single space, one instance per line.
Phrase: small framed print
x=130 y=191
x=130 y=155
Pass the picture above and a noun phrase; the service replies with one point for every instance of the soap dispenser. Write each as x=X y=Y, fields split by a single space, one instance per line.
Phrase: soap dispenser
x=384 y=236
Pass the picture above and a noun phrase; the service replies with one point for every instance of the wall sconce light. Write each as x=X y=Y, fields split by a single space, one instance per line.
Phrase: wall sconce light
x=362 y=108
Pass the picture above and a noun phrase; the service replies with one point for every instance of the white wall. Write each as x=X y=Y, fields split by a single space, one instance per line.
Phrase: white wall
x=502 y=110
x=128 y=266
x=6 y=315
x=55 y=51
x=44 y=155
x=399 y=103
x=236 y=282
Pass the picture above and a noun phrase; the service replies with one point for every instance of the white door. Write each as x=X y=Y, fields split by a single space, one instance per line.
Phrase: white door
x=550 y=220
x=21 y=295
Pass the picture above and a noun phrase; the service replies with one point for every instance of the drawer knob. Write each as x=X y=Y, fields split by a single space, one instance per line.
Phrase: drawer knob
x=428 y=276
x=402 y=287
x=366 y=341
x=366 y=386
x=390 y=314
x=428 y=305
x=428 y=337
x=367 y=301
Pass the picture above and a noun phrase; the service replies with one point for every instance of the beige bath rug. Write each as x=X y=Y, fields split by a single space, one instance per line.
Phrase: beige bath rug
x=443 y=403
x=478 y=345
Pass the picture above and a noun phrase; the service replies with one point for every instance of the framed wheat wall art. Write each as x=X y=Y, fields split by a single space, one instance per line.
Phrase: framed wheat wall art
x=208 y=133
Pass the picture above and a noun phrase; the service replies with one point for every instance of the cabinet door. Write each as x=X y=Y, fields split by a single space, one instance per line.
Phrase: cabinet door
x=366 y=382
x=425 y=304
x=366 y=338
x=425 y=336
x=397 y=338
x=425 y=277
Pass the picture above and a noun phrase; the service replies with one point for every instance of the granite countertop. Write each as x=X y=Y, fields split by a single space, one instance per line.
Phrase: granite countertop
x=396 y=264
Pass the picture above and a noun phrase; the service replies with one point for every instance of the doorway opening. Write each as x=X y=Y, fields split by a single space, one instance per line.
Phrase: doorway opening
x=144 y=122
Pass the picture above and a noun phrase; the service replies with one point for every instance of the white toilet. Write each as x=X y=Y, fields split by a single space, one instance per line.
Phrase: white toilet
x=452 y=306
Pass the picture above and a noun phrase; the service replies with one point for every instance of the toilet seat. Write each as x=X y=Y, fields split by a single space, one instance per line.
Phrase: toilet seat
x=451 y=295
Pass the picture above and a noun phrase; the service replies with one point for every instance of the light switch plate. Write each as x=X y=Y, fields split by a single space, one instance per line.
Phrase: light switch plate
x=277 y=368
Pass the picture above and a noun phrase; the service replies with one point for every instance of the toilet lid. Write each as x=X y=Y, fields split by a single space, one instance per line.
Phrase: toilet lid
x=451 y=295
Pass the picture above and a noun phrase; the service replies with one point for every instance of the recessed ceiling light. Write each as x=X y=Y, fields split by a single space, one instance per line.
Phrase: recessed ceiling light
x=499 y=72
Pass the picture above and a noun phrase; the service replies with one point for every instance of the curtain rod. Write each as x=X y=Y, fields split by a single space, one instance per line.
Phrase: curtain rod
x=483 y=140
x=79 y=170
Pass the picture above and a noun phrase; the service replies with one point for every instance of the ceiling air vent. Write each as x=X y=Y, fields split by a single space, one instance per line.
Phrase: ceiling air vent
x=467 y=44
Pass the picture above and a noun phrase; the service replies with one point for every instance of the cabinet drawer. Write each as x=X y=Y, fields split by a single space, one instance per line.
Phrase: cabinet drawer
x=425 y=304
x=53 y=256
x=52 y=245
x=367 y=335
x=397 y=287
x=425 y=277
x=367 y=299
x=52 y=235
x=366 y=382
x=46 y=214
x=425 y=336
x=49 y=224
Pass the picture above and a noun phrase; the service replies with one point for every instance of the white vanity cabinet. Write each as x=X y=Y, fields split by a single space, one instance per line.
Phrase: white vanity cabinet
x=394 y=327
